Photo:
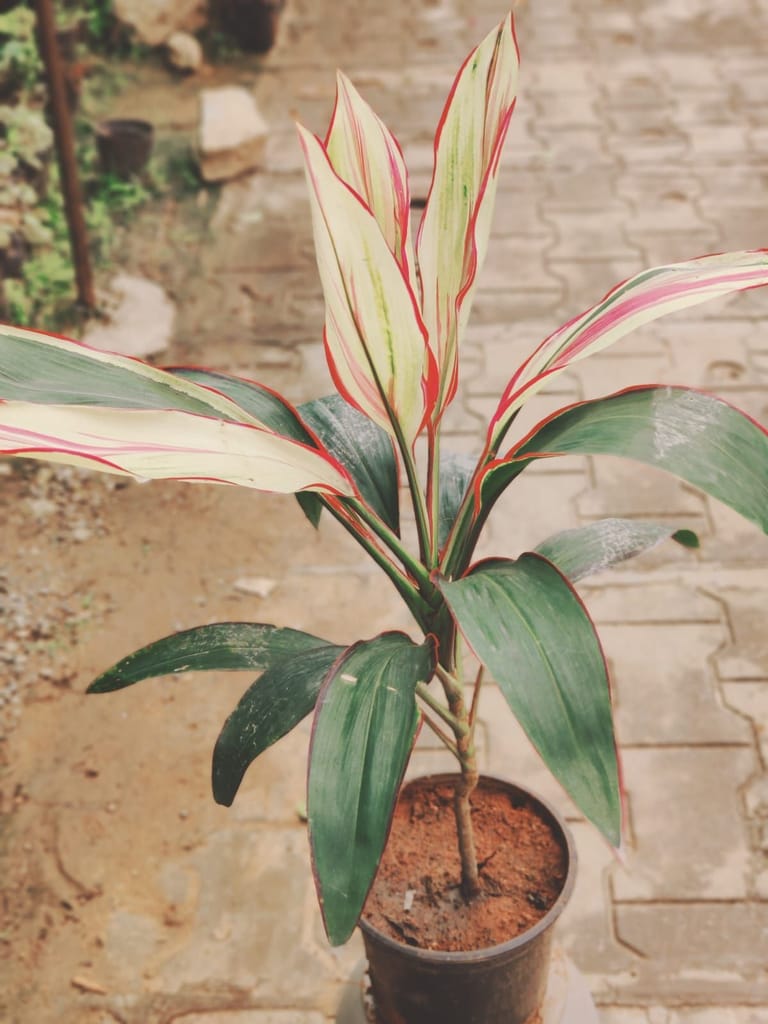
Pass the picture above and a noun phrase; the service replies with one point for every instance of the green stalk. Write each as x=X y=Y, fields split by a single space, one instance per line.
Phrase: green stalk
x=464 y=533
x=458 y=727
x=413 y=599
x=433 y=489
x=426 y=543
x=395 y=545
x=445 y=739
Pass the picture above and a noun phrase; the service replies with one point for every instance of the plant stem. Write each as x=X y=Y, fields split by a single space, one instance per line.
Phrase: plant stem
x=475 y=699
x=442 y=736
x=405 y=587
x=393 y=542
x=459 y=728
x=433 y=489
x=470 y=876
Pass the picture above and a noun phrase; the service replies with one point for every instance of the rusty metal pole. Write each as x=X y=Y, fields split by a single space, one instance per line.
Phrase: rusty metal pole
x=65 y=151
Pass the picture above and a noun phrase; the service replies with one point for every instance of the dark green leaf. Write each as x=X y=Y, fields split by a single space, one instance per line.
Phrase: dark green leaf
x=455 y=473
x=365 y=725
x=311 y=506
x=268 y=710
x=363 y=448
x=579 y=552
x=228 y=646
x=33 y=371
x=698 y=437
x=267 y=406
x=526 y=624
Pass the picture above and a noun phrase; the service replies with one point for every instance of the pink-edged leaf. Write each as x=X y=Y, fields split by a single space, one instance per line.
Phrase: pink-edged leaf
x=168 y=444
x=376 y=342
x=366 y=155
x=454 y=231
x=639 y=300
x=51 y=370
x=527 y=625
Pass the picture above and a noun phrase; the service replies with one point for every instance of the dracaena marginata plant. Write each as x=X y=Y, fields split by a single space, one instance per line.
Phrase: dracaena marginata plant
x=396 y=311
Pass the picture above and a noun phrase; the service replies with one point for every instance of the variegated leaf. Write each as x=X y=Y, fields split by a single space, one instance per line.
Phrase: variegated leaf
x=154 y=444
x=638 y=301
x=46 y=369
x=375 y=340
x=366 y=155
x=453 y=235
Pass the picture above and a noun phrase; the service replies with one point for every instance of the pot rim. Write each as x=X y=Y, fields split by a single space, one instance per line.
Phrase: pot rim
x=107 y=127
x=501 y=949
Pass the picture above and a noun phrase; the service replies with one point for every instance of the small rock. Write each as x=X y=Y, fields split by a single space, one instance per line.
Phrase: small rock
x=184 y=52
x=140 y=322
x=86 y=985
x=232 y=133
x=260 y=586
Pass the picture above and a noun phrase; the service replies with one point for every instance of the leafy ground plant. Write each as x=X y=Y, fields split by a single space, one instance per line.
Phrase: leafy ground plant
x=396 y=311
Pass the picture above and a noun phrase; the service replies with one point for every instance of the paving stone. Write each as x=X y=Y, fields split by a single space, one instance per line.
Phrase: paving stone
x=626 y=488
x=665 y=689
x=624 y=601
x=509 y=533
x=586 y=928
x=696 y=953
x=751 y=700
x=710 y=1015
x=681 y=804
x=584 y=230
x=745 y=656
x=622 y=1015
x=622 y=367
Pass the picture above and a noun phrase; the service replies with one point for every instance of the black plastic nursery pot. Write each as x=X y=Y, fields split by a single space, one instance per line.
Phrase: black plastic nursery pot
x=503 y=984
x=124 y=145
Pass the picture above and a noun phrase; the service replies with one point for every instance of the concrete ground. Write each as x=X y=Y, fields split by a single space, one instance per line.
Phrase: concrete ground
x=640 y=137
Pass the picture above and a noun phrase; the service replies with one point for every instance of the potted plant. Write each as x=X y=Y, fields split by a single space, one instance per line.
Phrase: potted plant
x=395 y=316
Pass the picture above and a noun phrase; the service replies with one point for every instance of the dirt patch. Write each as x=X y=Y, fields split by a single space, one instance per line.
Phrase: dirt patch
x=522 y=868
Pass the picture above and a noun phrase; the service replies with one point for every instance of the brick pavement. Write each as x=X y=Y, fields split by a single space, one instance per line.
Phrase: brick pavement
x=641 y=136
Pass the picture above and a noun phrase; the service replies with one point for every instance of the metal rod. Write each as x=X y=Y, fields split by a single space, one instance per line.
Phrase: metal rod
x=65 y=151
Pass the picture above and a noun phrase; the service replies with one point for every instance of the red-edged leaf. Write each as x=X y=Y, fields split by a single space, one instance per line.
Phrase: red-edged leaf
x=376 y=342
x=365 y=724
x=454 y=231
x=525 y=622
x=641 y=299
x=697 y=437
x=152 y=444
x=366 y=155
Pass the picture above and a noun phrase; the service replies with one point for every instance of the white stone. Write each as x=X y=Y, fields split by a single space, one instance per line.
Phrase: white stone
x=140 y=319
x=154 y=21
x=259 y=586
x=232 y=133
x=184 y=52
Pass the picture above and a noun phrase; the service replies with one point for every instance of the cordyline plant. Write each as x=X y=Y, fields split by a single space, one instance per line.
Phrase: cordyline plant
x=395 y=315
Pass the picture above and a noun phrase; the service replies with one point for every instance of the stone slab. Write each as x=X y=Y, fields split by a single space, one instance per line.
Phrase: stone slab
x=689 y=838
x=665 y=689
x=232 y=133
x=139 y=318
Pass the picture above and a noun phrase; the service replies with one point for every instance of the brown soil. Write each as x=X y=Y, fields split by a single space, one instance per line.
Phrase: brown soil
x=522 y=869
